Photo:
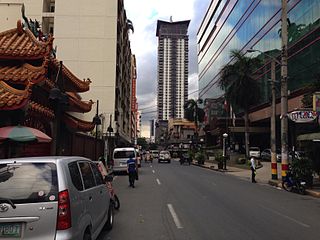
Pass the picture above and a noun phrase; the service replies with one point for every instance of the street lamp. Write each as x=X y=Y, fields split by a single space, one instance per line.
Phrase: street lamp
x=274 y=174
x=109 y=145
x=224 y=150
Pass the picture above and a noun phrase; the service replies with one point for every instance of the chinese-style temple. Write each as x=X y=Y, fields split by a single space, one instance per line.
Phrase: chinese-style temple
x=31 y=79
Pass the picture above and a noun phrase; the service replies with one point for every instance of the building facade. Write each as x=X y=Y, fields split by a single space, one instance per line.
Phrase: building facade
x=92 y=38
x=244 y=25
x=173 y=60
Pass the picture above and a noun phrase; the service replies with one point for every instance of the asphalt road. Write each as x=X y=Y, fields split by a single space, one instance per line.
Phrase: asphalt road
x=173 y=202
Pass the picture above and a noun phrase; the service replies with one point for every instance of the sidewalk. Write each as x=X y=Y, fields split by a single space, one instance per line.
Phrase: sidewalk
x=263 y=175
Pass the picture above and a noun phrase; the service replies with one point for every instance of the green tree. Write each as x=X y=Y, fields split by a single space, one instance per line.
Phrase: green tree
x=193 y=112
x=142 y=142
x=241 y=88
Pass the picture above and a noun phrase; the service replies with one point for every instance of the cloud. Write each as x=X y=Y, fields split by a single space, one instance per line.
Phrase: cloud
x=144 y=43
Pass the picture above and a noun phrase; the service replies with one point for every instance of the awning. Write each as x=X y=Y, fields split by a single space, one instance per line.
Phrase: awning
x=309 y=137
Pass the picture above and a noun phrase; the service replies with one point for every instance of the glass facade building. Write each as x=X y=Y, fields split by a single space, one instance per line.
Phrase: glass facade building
x=256 y=24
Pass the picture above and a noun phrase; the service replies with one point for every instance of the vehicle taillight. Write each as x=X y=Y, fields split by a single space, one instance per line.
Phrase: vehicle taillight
x=64 y=213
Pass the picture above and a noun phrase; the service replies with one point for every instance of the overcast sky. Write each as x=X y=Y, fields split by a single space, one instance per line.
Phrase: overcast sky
x=144 y=15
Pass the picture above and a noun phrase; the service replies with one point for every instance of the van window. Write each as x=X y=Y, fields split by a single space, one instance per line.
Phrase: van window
x=87 y=175
x=75 y=176
x=29 y=182
x=124 y=154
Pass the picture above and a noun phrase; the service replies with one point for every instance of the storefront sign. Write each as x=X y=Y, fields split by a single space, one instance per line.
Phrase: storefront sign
x=302 y=116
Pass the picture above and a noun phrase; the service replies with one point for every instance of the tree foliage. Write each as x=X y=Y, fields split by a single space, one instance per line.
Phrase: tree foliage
x=193 y=112
x=241 y=89
x=238 y=82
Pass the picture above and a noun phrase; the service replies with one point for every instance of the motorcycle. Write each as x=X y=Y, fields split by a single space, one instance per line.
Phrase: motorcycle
x=290 y=183
x=113 y=196
x=185 y=158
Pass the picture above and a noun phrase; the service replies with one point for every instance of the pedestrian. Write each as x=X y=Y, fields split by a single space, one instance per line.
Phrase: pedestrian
x=132 y=170
x=253 y=169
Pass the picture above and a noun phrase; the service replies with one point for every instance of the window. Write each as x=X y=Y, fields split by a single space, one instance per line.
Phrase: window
x=97 y=175
x=29 y=182
x=87 y=175
x=75 y=176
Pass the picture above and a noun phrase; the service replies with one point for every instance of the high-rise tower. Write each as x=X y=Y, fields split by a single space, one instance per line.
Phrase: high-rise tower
x=172 y=68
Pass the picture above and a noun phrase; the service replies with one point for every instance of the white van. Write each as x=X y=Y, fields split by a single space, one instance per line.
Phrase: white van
x=121 y=156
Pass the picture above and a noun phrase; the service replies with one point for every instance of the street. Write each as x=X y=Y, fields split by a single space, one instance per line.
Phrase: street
x=171 y=201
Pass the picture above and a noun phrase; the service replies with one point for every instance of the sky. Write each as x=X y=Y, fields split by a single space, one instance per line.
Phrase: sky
x=144 y=15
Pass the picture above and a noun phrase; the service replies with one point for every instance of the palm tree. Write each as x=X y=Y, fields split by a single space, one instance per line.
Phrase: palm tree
x=241 y=88
x=193 y=113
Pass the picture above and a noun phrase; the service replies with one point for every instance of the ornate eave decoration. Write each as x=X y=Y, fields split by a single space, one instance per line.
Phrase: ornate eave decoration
x=72 y=83
x=77 y=124
x=19 y=43
x=11 y=98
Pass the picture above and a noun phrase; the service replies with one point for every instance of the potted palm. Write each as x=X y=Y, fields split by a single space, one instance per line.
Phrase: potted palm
x=200 y=157
x=219 y=158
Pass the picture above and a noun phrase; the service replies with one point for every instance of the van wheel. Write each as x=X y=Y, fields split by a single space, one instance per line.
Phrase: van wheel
x=109 y=222
x=87 y=236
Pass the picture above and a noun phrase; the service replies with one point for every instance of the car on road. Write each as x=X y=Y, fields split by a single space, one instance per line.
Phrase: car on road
x=266 y=155
x=254 y=152
x=53 y=198
x=154 y=154
x=164 y=156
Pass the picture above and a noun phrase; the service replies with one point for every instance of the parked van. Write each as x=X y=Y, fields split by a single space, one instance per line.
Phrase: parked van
x=121 y=156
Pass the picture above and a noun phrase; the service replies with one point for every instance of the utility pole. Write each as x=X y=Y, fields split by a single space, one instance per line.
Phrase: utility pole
x=284 y=89
x=274 y=173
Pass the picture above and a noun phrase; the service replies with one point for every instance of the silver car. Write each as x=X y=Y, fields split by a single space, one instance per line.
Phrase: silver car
x=53 y=198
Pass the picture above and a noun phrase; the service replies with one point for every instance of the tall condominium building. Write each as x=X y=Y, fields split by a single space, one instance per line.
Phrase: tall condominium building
x=92 y=40
x=172 y=68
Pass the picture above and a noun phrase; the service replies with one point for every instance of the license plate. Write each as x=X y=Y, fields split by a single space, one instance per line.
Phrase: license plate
x=123 y=164
x=10 y=230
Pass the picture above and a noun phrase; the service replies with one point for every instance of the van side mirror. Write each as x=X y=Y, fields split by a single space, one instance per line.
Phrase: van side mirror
x=108 y=178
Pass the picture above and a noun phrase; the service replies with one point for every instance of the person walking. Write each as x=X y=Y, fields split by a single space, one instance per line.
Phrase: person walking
x=253 y=169
x=132 y=171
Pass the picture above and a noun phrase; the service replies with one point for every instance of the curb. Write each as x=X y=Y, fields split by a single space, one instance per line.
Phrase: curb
x=308 y=191
x=211 y=167
x=270 y=182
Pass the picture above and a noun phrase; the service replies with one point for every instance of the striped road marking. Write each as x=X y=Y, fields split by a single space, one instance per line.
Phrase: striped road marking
x=158 y=181
x=174 y=216
x=153 y=171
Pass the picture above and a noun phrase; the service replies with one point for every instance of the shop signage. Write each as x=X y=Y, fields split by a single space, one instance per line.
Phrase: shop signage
x=303 y=116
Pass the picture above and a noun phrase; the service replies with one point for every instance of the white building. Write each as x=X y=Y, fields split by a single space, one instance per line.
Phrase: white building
x=172 y=68
x=92 y=41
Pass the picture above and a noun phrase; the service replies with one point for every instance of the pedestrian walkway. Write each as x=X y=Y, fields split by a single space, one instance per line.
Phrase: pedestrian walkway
x=263 y=175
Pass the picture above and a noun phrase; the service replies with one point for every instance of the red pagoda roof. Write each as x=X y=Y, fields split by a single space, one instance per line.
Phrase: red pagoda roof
x=19 y=43
x=11 y=98
x=40 y=110
x=73 y=84
x=76 y=105
x=25 y=73
x=77 y=124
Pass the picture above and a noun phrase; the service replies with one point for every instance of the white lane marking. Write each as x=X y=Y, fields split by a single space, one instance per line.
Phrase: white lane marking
x=153 y=171
x=174 y=216
x=285 y=216
x=150 y=165
x=158 y=181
